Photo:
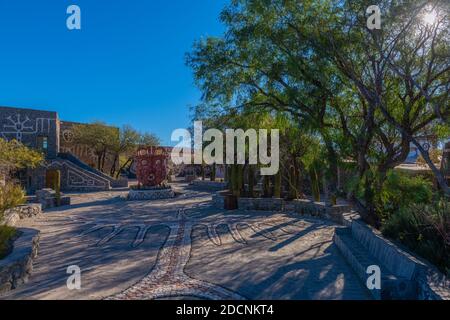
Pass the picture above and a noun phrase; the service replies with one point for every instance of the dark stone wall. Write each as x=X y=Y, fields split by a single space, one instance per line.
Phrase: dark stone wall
x=29 y=126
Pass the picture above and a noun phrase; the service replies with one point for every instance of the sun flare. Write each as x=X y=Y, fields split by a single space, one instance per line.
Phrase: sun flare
x=430 y=17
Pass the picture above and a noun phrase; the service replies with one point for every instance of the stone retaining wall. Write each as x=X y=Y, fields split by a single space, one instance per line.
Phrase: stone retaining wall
x=209 y=185
x=18 y=265
x=302 y=206
x=157 y=194
x=432 y=285
x=12 y=216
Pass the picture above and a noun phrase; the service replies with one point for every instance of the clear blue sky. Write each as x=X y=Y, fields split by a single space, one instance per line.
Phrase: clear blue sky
x=126 y=65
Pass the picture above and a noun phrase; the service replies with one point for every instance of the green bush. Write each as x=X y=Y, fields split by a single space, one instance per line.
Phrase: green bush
x=425 y=229
x=6 y=234
x=11 y=196
x=401 y=190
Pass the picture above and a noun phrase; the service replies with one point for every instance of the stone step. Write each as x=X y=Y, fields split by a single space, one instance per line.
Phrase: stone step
x=392 y=286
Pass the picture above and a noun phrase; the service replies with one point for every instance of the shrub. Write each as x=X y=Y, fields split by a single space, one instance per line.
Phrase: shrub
x=401 y=190
x=11 y=196
x=425 y=229
x=6 y=234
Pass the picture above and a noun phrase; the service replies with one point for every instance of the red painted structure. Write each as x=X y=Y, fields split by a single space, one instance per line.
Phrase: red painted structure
x=151 y=166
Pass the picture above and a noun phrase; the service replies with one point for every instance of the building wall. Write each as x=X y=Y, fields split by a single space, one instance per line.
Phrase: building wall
x=31 y=126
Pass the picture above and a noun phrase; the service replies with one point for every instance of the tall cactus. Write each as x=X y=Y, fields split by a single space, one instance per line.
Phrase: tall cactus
x=266 y=187
x=315 y=187
x=235 y=183
x=251 y=181
x=213 y=172
x=54 y=182
x=277 y=185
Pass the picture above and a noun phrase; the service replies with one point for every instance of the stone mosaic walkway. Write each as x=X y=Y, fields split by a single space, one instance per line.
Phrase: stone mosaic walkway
x=183 y=248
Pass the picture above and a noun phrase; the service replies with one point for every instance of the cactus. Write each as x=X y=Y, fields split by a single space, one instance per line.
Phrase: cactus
x=266 y=186
x=333 y=199
x=203 y=171
x=213 y=172
x=57 y=187
x=53 y=180
x=293 y=192
x=315 y=188
x=251 y=181
x=277 y=185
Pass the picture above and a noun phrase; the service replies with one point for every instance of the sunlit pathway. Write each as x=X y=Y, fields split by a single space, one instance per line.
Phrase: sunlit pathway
x=184 y=248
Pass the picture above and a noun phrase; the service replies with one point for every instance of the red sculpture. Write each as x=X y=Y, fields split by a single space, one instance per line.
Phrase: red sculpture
x=151 y=166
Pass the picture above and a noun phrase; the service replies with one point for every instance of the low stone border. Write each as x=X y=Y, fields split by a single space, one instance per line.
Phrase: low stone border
x=209 y=185
x=12 y=216
x=122 y=182
x=18 y=265
x=302 y=206
x=157 y=194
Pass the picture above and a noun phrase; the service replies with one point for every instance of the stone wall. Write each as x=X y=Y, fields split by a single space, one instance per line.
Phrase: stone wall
x=208 y=185
x=432 y=285
x=302 y=206
x=28 y=126
x=12 y=216
x=16 y=268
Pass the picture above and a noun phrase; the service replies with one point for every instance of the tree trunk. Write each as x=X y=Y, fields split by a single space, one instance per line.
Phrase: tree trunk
x=123 y=167
x=315 y=187
x=113 y=168
x=99 y=162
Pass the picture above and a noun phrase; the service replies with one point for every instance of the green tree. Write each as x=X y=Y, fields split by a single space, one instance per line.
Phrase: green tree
x=101 y=138
x=365 y=93
x=14 y=155
x=129 y=142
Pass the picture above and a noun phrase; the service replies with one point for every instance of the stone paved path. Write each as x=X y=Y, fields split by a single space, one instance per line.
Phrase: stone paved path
x=184 y=248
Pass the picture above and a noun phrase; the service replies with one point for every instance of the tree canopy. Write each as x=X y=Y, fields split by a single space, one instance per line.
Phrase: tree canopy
x=368 y=94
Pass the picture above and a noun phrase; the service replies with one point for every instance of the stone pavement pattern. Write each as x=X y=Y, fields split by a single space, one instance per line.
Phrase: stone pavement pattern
x=184 y=248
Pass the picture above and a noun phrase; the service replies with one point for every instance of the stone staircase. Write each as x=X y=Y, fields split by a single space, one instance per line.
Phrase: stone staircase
x=80 y=164
x=403 y=276
x=392 y=287
x=76 y=178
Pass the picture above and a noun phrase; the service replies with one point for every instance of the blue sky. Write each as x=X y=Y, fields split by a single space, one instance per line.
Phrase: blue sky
x=126 y=65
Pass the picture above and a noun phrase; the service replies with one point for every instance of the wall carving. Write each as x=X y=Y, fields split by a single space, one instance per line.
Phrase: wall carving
x=17 y=126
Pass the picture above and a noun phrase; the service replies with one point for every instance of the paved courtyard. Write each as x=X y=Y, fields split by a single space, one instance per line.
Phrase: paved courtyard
x=184 y=248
